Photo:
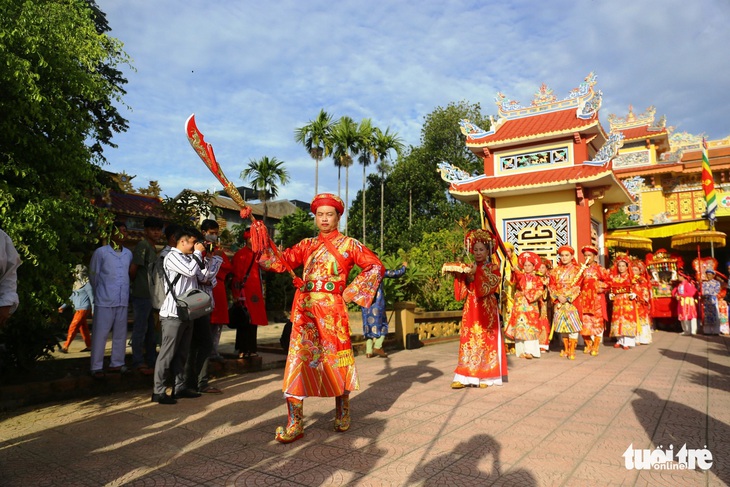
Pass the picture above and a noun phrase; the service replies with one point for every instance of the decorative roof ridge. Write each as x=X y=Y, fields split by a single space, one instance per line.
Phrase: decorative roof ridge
x=646 y=119
x=546 y=101
x=453 y=174
x=682 y=142
x=609 y=150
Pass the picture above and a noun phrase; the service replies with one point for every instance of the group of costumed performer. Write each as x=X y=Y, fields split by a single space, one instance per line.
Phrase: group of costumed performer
x=320 y=361
x=524 y=320
x=482 y=356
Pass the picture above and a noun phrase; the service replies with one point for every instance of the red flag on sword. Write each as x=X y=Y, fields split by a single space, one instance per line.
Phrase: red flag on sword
x=259 y=235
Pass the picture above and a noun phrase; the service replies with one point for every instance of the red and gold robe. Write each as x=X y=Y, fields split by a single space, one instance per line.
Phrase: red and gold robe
x=591 y=300
x=481 y=348
x=625 y=314
x=320 y=360
x=525 y=317
x=565 y=282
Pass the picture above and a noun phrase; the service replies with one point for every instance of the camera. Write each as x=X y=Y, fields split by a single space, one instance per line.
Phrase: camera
x=208 y=245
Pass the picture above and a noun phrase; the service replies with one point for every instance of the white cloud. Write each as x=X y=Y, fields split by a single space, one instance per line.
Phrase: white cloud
x=253 y=72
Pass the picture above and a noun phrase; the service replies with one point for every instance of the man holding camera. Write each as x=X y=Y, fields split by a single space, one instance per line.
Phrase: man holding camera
x=183 y=268
x=193 y=380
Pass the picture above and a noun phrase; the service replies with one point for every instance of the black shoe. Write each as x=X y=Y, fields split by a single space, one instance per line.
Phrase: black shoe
x=163 y=399
x=186 y=394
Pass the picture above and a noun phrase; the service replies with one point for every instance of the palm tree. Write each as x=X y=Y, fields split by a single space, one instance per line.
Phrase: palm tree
x=366 y=149
x=344 y=146
x=315 y=137
x=383 y=168
x=265 y=175
x=384 y=142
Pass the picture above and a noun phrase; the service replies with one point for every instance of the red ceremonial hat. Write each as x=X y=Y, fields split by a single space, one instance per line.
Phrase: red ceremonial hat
x=528 y=257
x=328 y=199
x=247 y=233
x=566 y=248
x=589 y=248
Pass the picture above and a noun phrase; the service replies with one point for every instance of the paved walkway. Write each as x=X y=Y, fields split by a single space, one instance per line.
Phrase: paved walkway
x=557 y=422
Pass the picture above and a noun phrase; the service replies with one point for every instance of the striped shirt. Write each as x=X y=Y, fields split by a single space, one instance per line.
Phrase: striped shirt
x=190 y=273
x=212 y=266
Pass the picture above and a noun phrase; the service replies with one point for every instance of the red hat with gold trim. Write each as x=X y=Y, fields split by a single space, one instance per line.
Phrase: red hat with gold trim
x=589 y=248
x=328 y=199
x=566 y=248
x=531 y=257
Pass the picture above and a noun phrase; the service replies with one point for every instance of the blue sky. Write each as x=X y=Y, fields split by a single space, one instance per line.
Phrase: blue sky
x=252 y=72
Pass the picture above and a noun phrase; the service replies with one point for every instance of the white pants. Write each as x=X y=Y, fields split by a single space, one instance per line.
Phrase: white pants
x=527 y=346
x=627 y=341
x=689 y=327
x=106 y=320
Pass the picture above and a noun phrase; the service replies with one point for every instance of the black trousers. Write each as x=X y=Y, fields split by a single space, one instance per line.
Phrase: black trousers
x=246 y=338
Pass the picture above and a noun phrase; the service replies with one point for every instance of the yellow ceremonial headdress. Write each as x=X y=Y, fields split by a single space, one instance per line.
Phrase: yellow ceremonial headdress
x=478 y=235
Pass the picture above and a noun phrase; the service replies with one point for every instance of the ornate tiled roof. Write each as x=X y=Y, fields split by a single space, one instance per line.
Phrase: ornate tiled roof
x=545 y=117
x=542 y=181
x=562 y=122
x=643 y=133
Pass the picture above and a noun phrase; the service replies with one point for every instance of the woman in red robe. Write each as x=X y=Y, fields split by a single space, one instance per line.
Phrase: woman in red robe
x=625 y=317
x=543 y=271
x=642 y=289
x=482 y=357
x=591 y=300
x=686 y=294
x=248 y=293
x=523 y=326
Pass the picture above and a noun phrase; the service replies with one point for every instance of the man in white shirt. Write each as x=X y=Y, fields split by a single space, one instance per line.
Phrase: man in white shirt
x=176 y=334
x=9 y=263
x=109 y=277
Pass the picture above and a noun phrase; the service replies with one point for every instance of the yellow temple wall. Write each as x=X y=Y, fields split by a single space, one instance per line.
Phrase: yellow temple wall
x=538 y=204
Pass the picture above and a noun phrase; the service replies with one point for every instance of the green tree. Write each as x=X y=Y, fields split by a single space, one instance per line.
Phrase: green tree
x=367 y=154
x=295 y=227
x=418 y=200
x=618 y=219
x=316 y=139
x=265 y=175
x=187 y=207
x=345 y=137
x=384 y=143
x=60 y=82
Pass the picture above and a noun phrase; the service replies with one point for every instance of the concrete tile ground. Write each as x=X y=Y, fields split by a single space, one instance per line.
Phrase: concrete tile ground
x=557 y=422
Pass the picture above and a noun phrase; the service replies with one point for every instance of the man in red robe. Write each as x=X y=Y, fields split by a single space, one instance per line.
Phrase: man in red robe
x=320 y=360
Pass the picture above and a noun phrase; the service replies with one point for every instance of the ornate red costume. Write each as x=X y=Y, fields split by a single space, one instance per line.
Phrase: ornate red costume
x=523 y=326
x=482 y=356
x=624 y=318
x=320 y=360
x=564 y=286
x=591 y=301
